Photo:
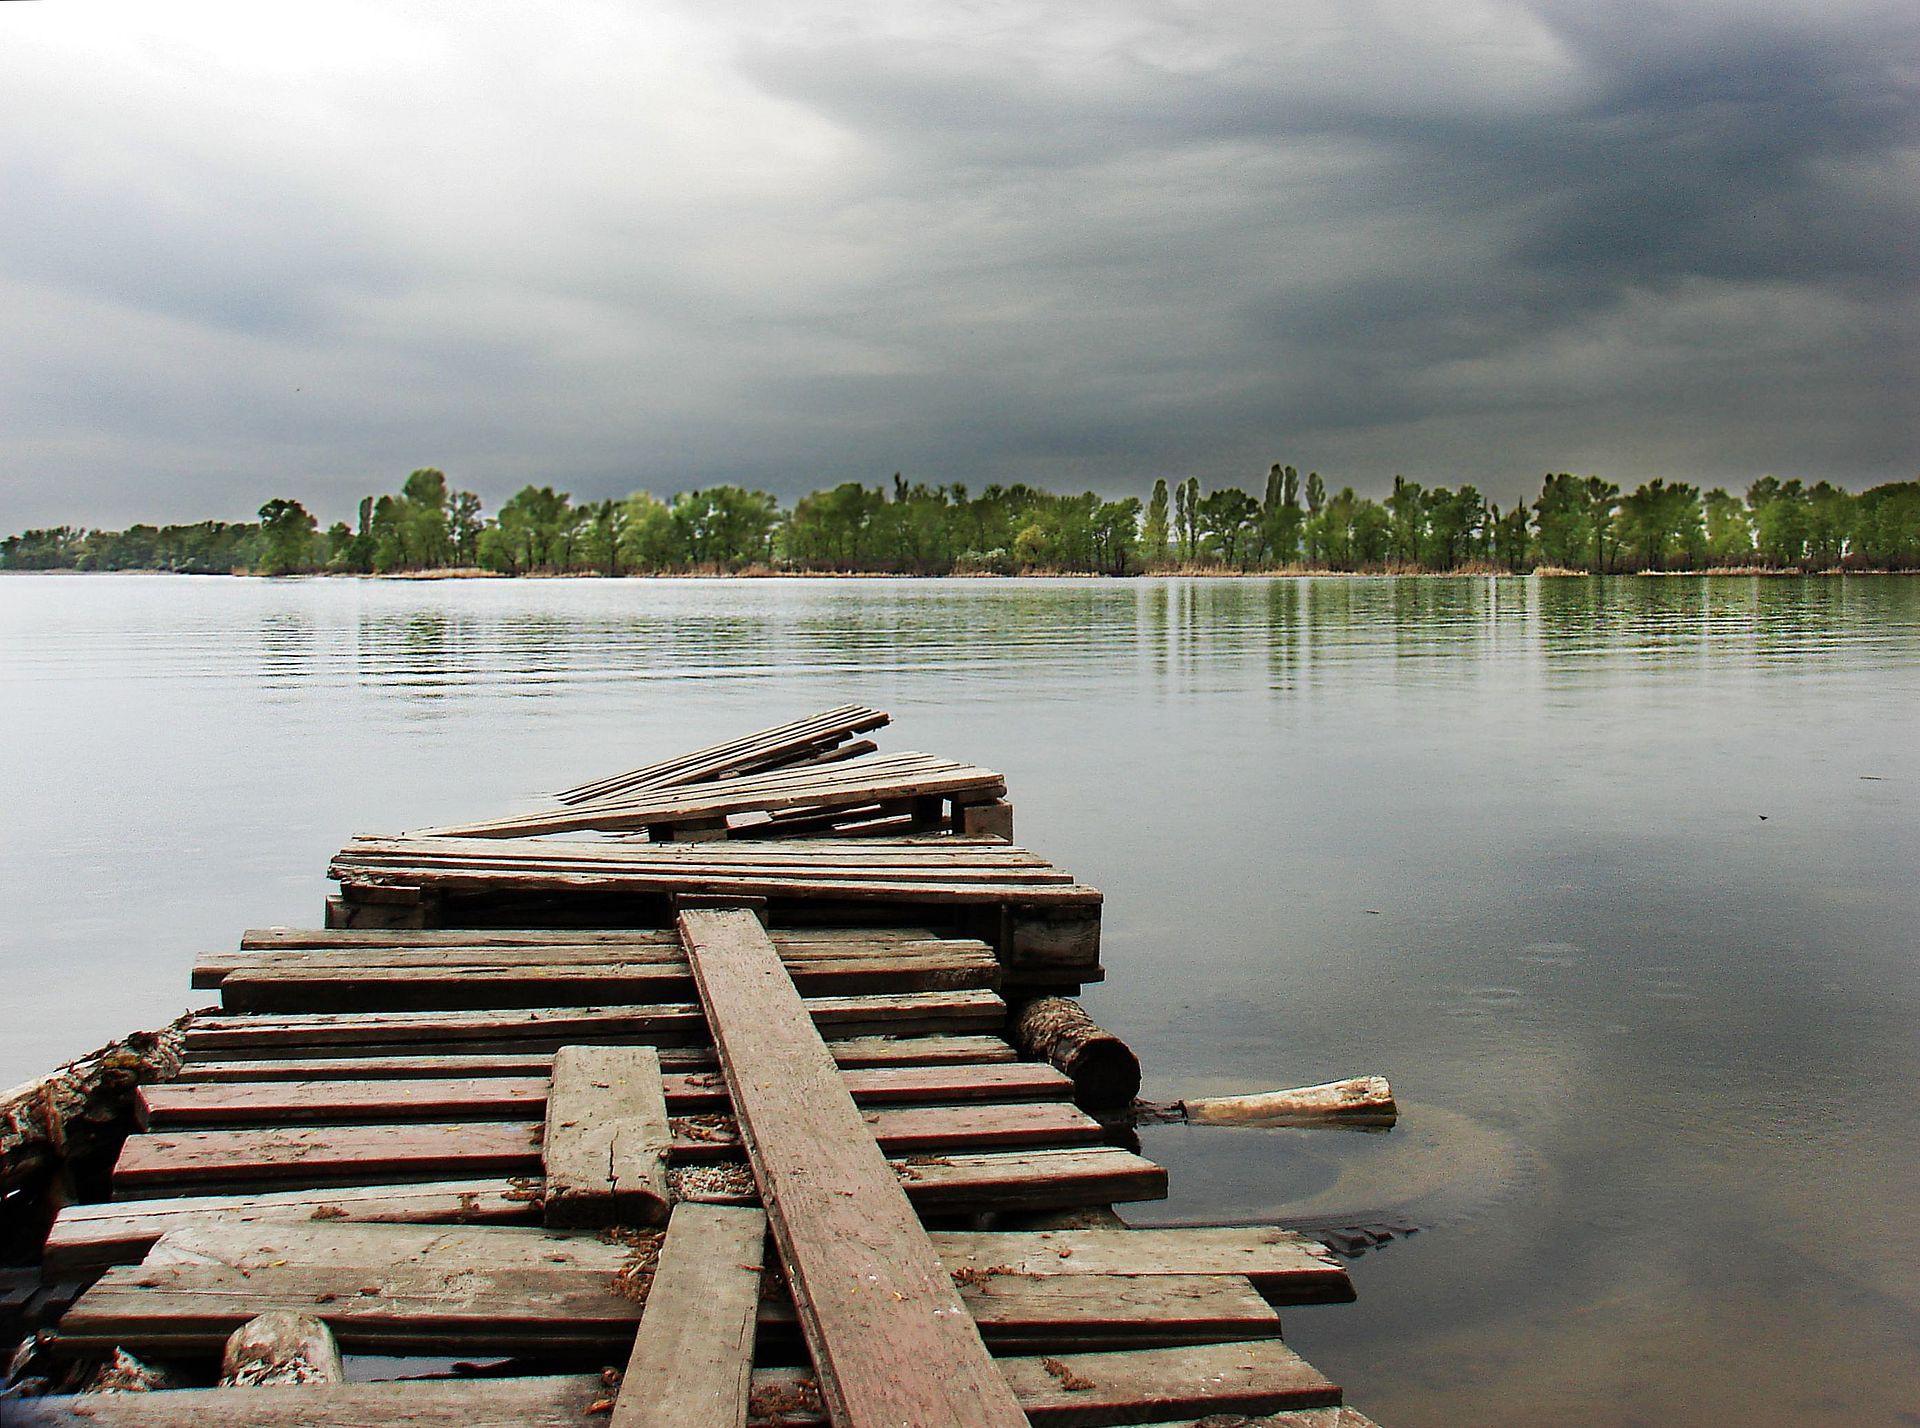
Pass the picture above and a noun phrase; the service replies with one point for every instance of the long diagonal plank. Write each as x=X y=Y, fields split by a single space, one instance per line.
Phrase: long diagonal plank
x=692 y=1359
x=891 y=1341
x=763 y=748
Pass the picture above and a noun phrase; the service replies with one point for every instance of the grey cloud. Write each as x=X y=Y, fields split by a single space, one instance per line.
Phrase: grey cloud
x=1005 y=242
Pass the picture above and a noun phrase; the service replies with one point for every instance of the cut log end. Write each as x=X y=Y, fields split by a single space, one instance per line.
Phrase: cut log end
x=1105 y=1072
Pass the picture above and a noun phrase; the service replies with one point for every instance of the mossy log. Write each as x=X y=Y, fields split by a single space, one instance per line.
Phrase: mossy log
x=82 y=1109
x=1105 y=1072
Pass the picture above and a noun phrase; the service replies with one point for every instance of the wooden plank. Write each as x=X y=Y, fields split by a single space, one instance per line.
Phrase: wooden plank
x=870 y=1292
x=441 y=983
x=854 y=1051
x=85 y=1238
x=548 y=1028
x=1140 y=1385
x=605 y=1138
x=233 y=1104
x=552 y=1402
x=857 y=780
x=1262 y=1373
x=798 y=947
x=366 y=1154
x=1286 y=1267
x=692 y=1359
x=792 y=740
x=388 y=1288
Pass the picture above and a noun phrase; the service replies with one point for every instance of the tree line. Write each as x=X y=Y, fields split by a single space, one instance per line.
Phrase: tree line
x=1578 y=523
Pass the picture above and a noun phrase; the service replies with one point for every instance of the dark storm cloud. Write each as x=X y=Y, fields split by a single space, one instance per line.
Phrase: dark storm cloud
x=985 y=243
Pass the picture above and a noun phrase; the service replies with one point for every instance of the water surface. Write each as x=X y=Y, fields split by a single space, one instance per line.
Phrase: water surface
x=1614 y=879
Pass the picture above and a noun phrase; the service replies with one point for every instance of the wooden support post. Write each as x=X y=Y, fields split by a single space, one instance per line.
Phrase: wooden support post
x=1105 y=1072
x=607 y=1137
x=692 y=1361
x=986 y=820
x=929 y=811
x=892 y=1342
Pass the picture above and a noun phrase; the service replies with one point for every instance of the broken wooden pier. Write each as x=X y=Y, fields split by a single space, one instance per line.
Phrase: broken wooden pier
x=699 y=1098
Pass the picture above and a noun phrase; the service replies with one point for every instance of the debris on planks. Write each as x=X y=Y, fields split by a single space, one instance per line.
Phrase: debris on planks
x=1360 y=1100
x=1105 y=1072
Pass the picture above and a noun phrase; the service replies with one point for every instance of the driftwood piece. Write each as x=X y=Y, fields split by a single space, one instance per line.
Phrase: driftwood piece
x=84 y=1107
x=1105 y=1072
x=279 y=1347
x=1362 y=1100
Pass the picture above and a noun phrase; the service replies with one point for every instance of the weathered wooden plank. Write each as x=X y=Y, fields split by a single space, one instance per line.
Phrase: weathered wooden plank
x=569 y=1401
x=365 y=1154
x=555 y=1402
x=90 y=1237
x=231 y=1104
x=393 y=1286
x=517 y=980
x=692 y=1359
x=876 y=776
x=1286 y=1267
x=869 y=1290
x=771 y=747
x=605 y=1138
x=1138 y=1385
x=802 y=950
x=1030 y=1180
x=854 y=1051
x=669 y=1024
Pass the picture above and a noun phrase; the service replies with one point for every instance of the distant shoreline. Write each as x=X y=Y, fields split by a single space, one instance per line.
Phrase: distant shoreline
x=1199 y=573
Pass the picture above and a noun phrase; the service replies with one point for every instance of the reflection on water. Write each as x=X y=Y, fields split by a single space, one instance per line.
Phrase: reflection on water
x=1613 y=878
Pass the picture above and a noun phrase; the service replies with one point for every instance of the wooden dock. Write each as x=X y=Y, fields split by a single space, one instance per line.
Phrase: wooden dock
x=693 y=1101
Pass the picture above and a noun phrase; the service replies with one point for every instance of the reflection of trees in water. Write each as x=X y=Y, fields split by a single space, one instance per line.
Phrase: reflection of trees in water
x=288 y=652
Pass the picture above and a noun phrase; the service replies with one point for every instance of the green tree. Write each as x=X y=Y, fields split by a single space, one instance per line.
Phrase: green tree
x=1729 y=531
x=1226 y=519
x=1155 y=538
x=287 y=530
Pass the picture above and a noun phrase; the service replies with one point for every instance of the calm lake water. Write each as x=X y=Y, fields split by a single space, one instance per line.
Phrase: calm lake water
x=1616 y=880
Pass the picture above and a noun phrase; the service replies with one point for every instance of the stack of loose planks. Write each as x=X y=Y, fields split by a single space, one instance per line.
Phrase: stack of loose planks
x=567 y=1147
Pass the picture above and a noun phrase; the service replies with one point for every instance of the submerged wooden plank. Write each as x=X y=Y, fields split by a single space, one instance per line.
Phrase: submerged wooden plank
x=605 y=1139
x=692 y=1359
x=869 y=1290
x=221 y=1104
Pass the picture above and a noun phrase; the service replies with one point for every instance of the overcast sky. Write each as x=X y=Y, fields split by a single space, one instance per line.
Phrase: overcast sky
x=284 y=248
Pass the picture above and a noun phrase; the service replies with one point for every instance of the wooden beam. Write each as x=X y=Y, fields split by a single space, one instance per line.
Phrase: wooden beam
x=692 y=1359
x=871 y=1294
x=605 y=1138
